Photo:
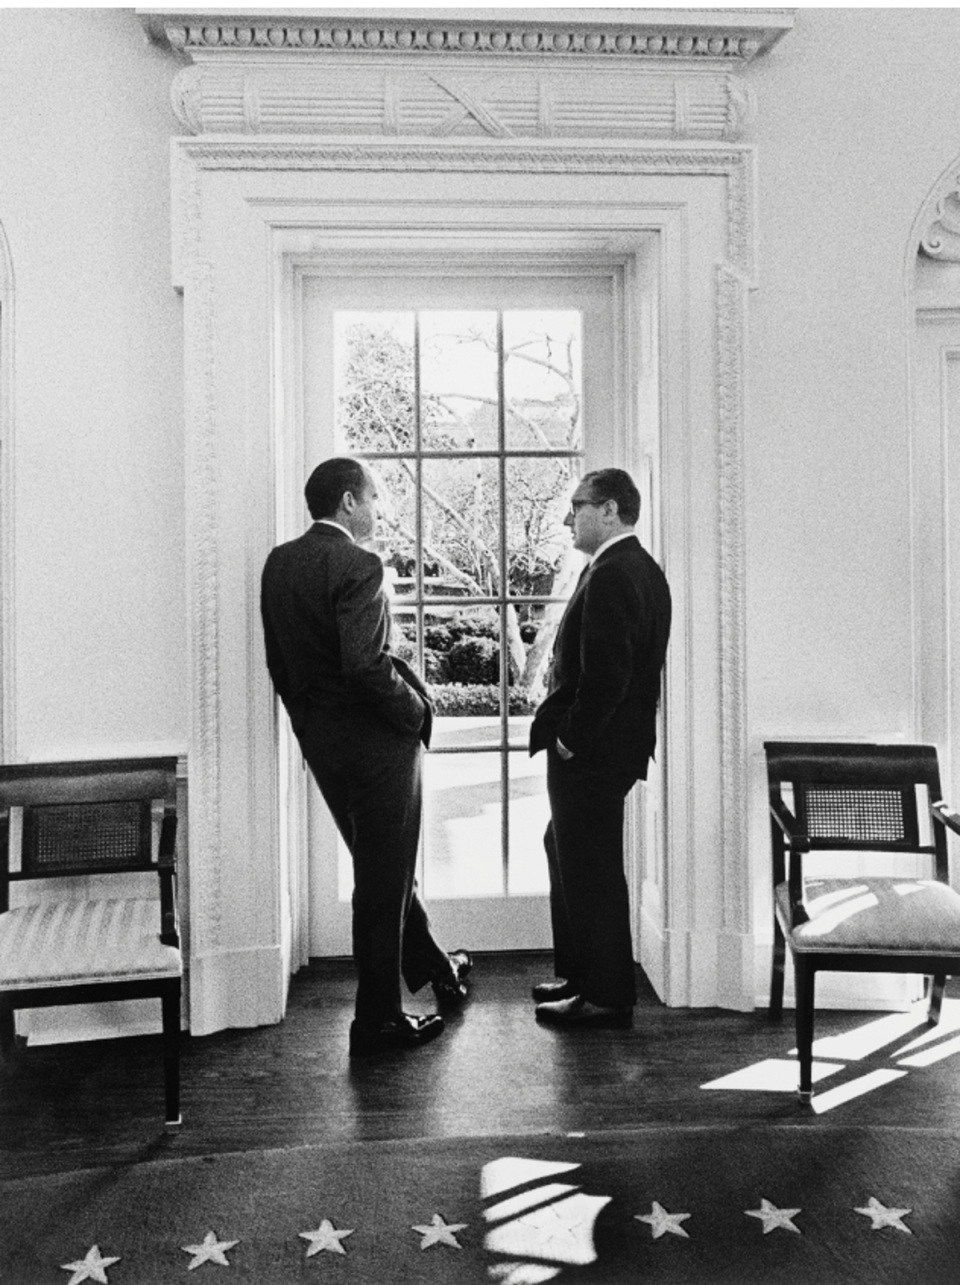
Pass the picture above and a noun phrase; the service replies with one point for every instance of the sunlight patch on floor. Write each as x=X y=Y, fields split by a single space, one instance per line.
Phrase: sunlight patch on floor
x=867 y=1039
x=774 y=1075
x=780 y=1075
x=836 y=1097
x=929 y=1056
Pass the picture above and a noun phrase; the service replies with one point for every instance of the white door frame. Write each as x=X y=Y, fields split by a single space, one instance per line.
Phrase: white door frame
x=504 y=278
x=243 y=210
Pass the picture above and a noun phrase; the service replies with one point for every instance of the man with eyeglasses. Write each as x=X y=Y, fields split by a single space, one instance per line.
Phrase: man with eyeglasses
x=598 y=727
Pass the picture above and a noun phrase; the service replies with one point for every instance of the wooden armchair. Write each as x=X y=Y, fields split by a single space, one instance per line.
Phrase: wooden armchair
x=77 y=826
x=863 y=799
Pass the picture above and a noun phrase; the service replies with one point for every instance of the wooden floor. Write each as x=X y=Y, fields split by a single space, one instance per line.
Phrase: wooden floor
x=494 y=1071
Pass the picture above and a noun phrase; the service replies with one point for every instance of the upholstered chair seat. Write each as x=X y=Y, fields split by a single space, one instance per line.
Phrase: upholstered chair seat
x=882 y=916
x=112 y=940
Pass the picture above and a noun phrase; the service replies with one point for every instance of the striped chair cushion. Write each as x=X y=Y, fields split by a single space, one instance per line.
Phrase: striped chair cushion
x=84 y=941
x=881 y=916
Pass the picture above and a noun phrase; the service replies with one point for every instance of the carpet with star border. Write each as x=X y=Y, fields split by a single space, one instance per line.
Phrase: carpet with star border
x=712 y=1205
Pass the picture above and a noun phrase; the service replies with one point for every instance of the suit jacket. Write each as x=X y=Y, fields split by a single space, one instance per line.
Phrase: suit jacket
x=326 y=626
x=604 y=684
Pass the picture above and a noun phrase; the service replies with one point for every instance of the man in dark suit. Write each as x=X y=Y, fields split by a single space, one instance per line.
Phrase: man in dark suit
x=360 y=714
x=598 y=727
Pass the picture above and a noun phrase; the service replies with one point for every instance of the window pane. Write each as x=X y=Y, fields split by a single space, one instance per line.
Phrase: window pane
x=542 y=380
x=404 y=639
x=462 y=826
x=397 y=543
x=374 y=381
x=529 y=814
x=461 y=526
x=458 y=381
x=462 y=663
x=538 y=543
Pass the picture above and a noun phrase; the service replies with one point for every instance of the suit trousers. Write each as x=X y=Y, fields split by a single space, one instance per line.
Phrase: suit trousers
x=371 y=782
x=589 y=902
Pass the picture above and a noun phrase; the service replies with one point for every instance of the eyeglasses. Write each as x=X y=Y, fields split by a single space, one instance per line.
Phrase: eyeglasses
x=577 y=505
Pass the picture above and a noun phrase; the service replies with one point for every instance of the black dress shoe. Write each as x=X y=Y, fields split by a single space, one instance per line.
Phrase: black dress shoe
x=452 y=990
x=559 y=989
x=405 y=1031
x=578 y=1011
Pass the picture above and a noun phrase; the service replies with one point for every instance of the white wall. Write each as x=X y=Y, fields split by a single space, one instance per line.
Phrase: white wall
x=858 y=117
x=85 y=122
x=859 y=113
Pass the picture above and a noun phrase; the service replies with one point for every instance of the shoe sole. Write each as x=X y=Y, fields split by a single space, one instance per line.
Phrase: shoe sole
x=364 y=1047
x=596 y=1021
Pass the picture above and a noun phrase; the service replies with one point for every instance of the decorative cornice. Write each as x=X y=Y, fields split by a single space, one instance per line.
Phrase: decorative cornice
x=714 y=35
x=594 y=74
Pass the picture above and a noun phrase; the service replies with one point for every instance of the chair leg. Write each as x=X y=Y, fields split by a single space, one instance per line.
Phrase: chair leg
x=776 y=976
x=937 y=985
x=8 y=1041
x=804 y=976
x=170 y=1001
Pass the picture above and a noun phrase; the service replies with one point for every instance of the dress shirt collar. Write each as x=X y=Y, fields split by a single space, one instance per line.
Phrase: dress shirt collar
x=330 y=522
x=614 y=539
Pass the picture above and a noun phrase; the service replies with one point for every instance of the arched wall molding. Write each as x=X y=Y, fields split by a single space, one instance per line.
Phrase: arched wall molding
x=936 y=232
x=932 y=327
x=7 y=506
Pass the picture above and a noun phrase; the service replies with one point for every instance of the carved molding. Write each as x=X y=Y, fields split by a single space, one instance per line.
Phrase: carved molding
x=203 y=552
x=193 y=156
x=509 y=103
x=940 y=229
x=731 y=545
x=8 y=690
x=719 y=35
x=586 y=75
x=734 y=164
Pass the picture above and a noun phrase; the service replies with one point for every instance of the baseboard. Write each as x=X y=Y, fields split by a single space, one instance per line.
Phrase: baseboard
x=237 y=988
x=66 y=1024
x=698 y=969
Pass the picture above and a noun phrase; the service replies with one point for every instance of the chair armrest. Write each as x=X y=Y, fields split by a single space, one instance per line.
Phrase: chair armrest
x=166 y=854
x=941 y=811
x=167 y=864
x=788 y=823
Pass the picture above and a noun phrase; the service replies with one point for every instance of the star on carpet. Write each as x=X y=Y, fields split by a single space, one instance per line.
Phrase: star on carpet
x=211 y=1251
x=326 y=1237
x=881 y=1216
x=440 y=1233
x=92 y=1268
x=661 y=1222
x=772 y=1217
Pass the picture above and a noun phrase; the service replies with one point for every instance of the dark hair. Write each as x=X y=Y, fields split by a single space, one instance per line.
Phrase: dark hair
x=615 y=484
x=327 y=483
